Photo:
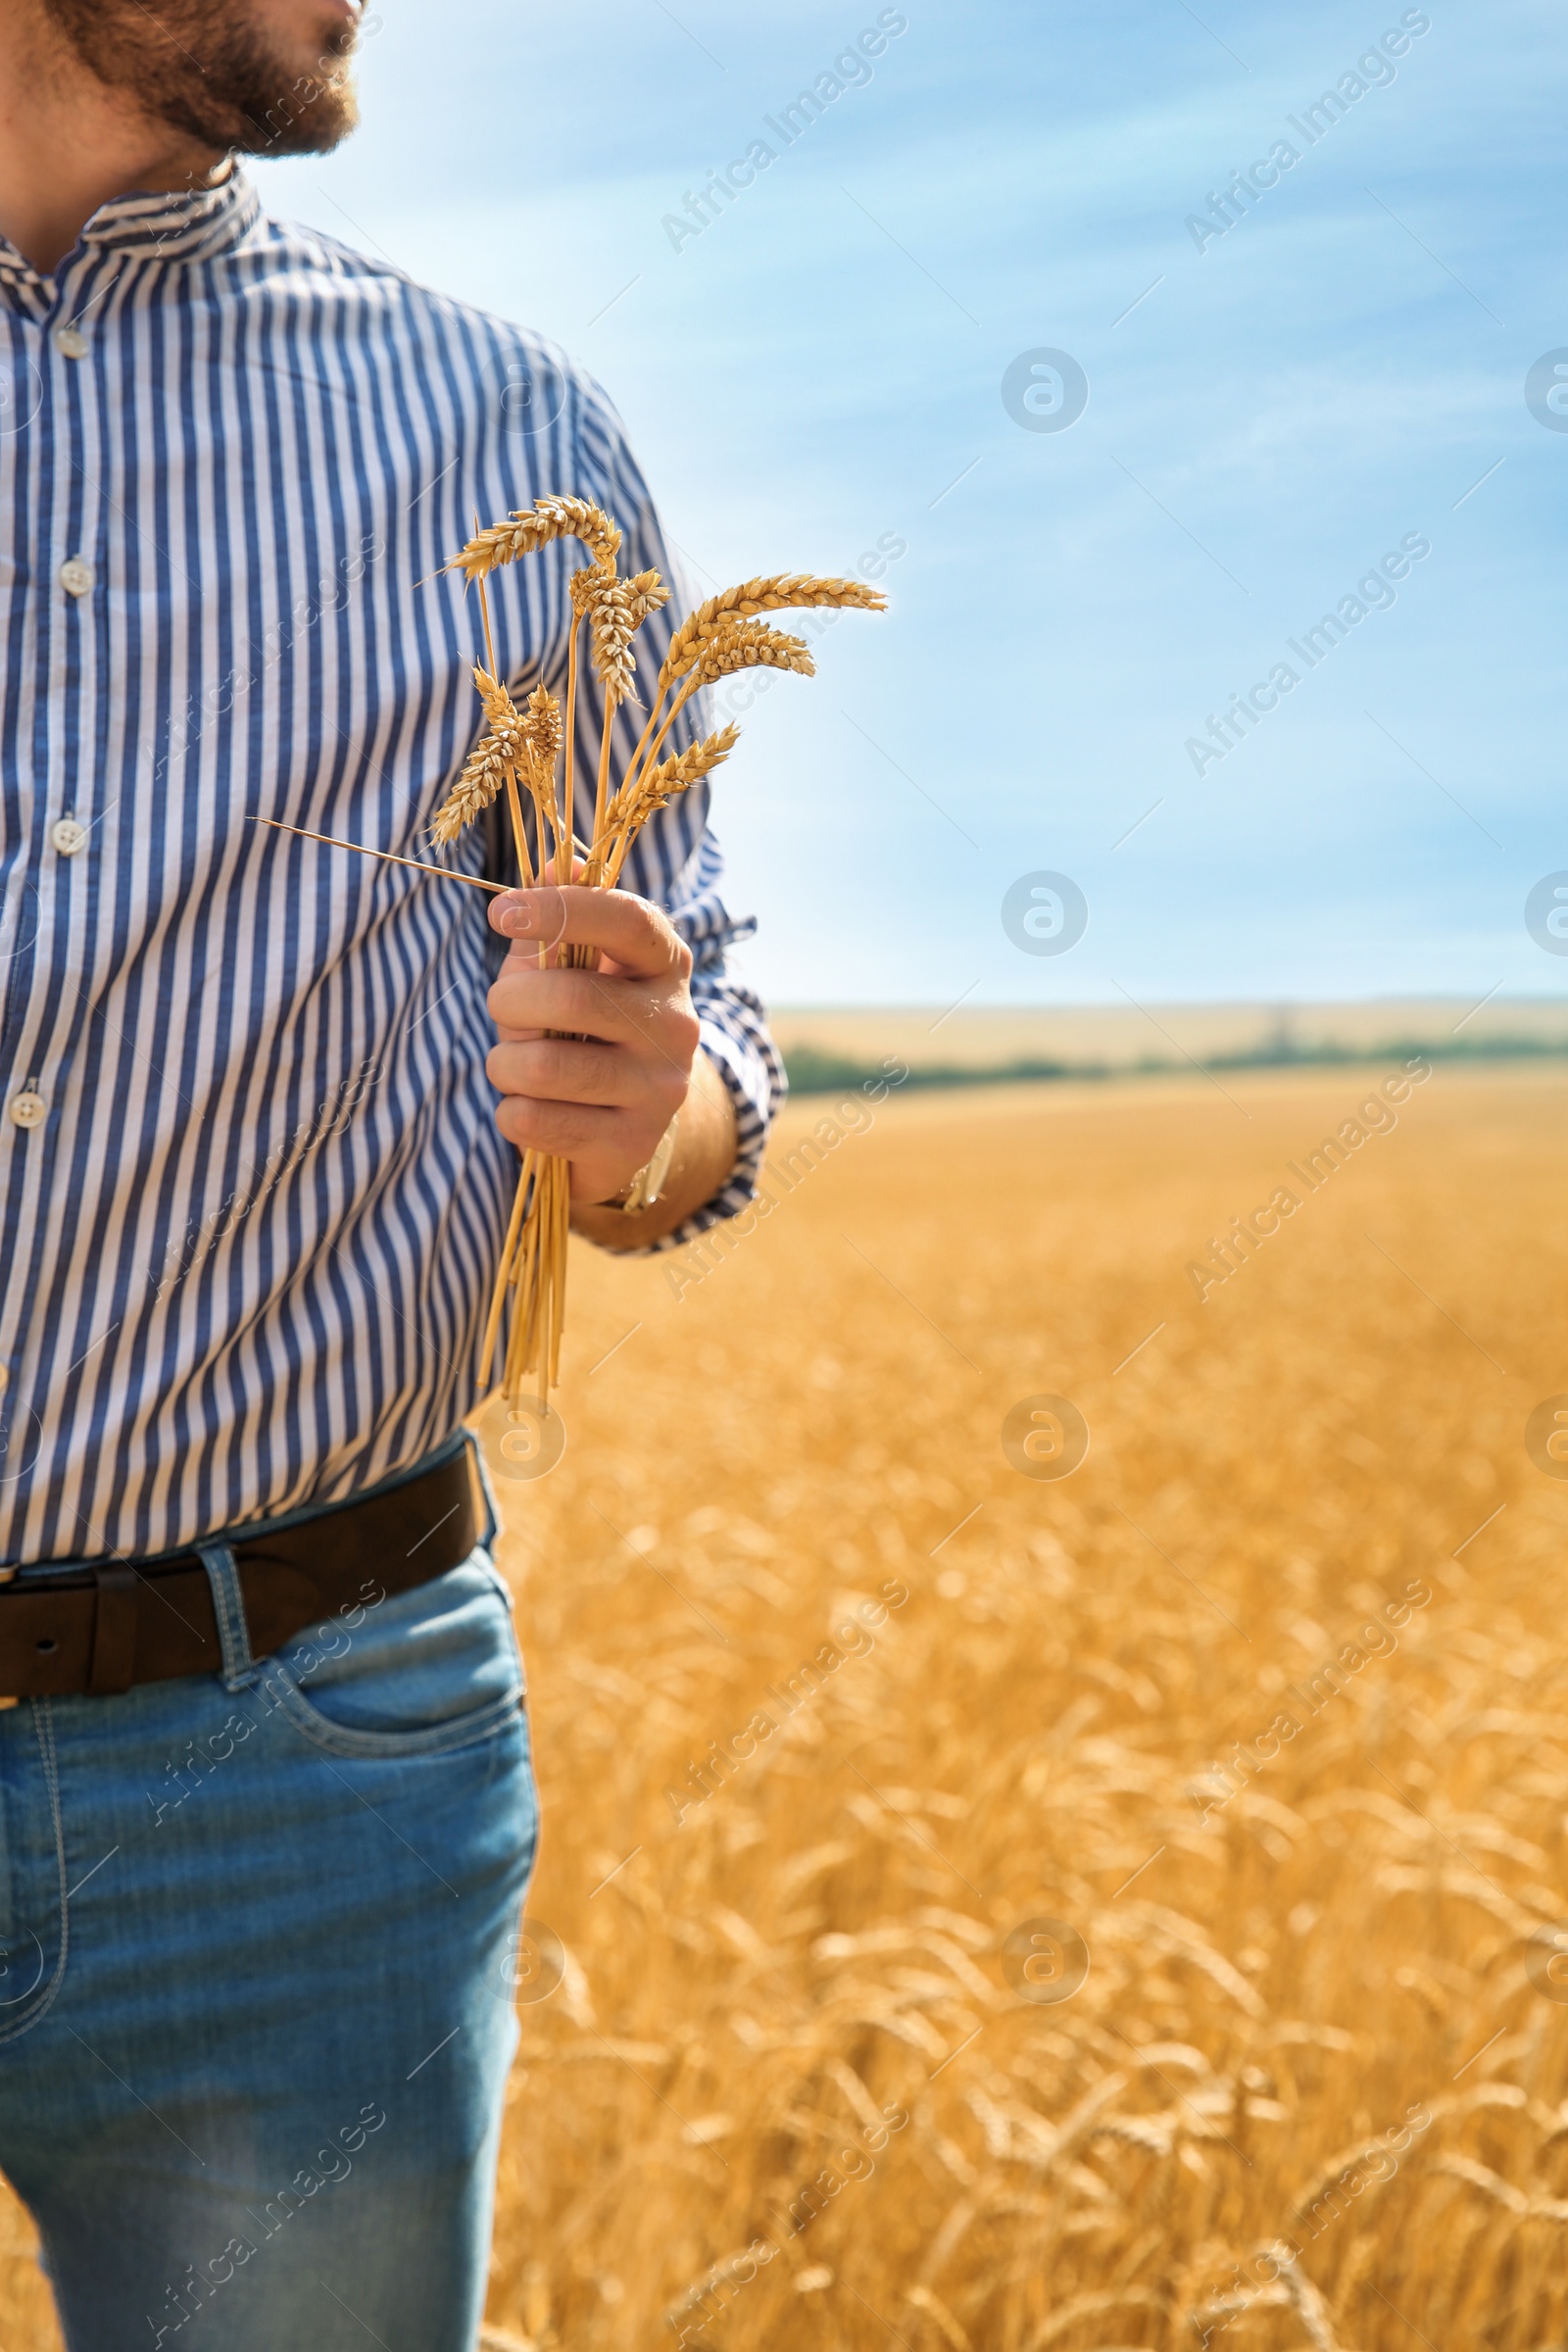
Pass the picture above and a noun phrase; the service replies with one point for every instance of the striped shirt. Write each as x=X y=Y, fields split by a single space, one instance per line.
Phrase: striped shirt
x=252 y=1192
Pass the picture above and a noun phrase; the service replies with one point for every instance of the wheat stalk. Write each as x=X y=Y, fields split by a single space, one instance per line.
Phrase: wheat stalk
x=655 y=789
x=417 y=865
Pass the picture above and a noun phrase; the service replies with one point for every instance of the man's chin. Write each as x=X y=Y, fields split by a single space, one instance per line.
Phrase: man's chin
x=317 y=104
x=248 y=91
x=310 y=118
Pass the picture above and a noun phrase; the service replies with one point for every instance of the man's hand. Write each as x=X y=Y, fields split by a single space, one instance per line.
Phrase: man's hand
x=602 y=1094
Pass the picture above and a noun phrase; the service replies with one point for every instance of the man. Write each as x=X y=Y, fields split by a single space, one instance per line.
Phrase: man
x=266 y=1803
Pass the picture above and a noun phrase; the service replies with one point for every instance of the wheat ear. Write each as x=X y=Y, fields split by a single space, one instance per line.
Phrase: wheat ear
x=670 y=776
x=614 y=610
x=777 y=592
x=556 y=516
x=751 y=644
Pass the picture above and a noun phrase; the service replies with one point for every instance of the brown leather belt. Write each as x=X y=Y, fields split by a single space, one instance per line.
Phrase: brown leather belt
x=98 y=1627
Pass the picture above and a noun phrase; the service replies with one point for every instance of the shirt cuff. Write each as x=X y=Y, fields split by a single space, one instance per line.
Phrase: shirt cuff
x=734 y=1036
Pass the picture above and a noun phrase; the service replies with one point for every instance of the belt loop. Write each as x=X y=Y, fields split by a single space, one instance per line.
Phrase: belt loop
x=492 y=1515
x=113 y=1669
x=239 y=1668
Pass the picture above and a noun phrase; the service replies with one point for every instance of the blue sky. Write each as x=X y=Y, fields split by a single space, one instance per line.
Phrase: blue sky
x=821 y=366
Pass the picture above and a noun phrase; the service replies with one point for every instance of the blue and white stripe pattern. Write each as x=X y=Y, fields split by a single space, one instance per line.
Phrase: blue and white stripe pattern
x=251 y=1186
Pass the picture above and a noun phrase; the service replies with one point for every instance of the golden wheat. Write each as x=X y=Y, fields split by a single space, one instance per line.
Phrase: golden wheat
x=647 y=594
x=653 y=789
x=751 y=644
x=544 y=717
x=1246 y=2117
x=1308 y=2041
x=513 y=735
x=778 y=592
x=733 y=646
x=690 y=767
x=533 y=528
x=614 y=610
x=484 y=772
x=532 y=1267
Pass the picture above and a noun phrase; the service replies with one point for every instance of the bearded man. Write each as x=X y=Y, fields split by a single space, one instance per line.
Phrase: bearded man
x=267 y=1807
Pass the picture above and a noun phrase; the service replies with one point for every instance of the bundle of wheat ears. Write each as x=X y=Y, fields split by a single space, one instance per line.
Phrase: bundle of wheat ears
x=522 y=751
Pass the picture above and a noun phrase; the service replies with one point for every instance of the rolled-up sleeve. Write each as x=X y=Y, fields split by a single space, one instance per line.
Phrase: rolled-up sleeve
x=734 y=1036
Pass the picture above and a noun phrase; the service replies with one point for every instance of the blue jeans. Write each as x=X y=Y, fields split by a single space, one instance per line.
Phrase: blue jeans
x=256 y=1942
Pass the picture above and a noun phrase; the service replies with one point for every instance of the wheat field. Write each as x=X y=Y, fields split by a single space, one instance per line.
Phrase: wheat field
x=1026 y=1983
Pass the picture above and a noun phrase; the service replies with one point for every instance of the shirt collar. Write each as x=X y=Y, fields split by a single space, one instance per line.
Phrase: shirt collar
x=187 y=225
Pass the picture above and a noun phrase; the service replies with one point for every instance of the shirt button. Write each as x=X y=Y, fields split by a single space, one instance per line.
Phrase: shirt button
x=71 y=342
x=76 y=575
x=68 y=836
x=28 y=1110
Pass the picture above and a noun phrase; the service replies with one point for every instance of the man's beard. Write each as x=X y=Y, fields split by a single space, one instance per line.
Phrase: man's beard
x=202 y=66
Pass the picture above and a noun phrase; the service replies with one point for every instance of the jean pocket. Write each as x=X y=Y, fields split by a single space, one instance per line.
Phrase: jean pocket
x=32 y=1868
x=416 y=1674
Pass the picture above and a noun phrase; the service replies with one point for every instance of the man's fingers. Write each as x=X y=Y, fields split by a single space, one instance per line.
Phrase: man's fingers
x=595 y=1005
x=562 y=1070
x=593 y=1138
x=585 y=1003
x=538 y=916
x=591 y=1062
x=637 y=937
